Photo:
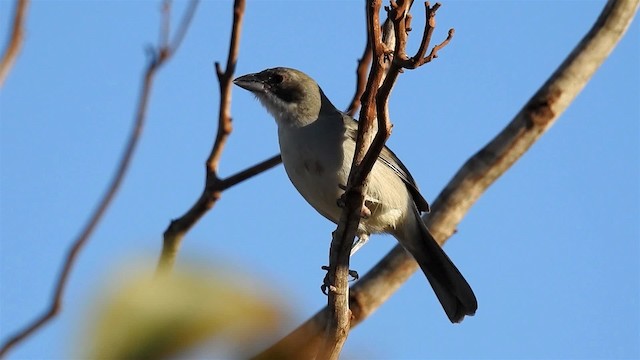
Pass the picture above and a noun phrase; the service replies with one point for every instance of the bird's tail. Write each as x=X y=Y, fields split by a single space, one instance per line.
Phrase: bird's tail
x=452 y=290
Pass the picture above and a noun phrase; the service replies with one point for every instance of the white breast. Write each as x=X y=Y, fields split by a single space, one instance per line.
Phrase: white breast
x=315 y=166
x=318 y=167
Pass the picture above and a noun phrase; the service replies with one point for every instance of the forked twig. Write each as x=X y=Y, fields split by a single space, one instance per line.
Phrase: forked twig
x=159 y=57
x=214 y=186
x=361 y=78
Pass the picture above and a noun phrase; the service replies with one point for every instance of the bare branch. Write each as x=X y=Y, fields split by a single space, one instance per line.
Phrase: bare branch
x=159 y=58
x=401 y=59
x=398 y=14
x=370 y=142
x=338 y=315
x=165 y=24
x=434 y=52
x=362 y=70
x=181 y=32
x=15 y=39
x=224 y=79
x=477 y=174
x=250 y=172
x=430 y=25
x=213 y=184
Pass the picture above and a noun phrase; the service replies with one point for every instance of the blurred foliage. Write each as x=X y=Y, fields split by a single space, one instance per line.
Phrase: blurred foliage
x=144 y=317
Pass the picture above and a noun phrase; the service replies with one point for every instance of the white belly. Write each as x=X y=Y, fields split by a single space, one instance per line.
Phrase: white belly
x=317 y=174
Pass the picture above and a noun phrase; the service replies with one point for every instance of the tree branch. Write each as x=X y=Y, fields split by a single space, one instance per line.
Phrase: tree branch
x=15 y=39
x=477 y=174
x=361 y=78
x=214 y=186
x=388 y=38
x=159 y=57
x=338 y=314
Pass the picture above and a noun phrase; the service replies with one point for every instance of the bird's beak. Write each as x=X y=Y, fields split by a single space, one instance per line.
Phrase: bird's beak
x=250 y=82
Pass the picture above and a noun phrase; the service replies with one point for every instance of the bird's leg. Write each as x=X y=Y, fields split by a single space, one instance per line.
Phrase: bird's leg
x=362 y=238
x=360 y=241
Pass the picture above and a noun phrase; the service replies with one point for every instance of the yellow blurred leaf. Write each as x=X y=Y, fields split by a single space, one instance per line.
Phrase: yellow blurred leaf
x=150 y=318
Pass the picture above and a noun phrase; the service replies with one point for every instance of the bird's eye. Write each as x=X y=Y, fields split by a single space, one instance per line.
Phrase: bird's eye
x=276 y=79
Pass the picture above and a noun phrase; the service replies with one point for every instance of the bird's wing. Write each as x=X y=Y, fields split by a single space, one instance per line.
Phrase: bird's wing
x=390 y=159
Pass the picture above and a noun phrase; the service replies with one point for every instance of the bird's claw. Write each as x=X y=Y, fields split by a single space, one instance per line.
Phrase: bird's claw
x=354 y=275
x=326 y=286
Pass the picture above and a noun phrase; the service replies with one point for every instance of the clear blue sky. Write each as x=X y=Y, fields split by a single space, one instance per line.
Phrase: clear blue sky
x=551 y=250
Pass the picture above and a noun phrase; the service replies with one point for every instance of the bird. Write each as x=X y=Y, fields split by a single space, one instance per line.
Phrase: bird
x=317 y=142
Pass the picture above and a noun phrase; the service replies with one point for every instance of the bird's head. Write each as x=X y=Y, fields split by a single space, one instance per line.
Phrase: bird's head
x=291 y=96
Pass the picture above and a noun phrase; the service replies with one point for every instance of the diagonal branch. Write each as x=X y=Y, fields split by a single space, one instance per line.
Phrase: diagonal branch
x=249 y=172
x=159 y=57
x=15 y=39
x=477 y=174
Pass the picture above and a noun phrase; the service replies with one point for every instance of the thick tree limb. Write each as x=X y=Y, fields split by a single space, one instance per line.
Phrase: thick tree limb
x=158 y=58
x=477 y=174
x=15 y=39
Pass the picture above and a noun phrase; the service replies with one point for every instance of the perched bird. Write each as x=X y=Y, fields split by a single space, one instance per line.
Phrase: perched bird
x=317 y=142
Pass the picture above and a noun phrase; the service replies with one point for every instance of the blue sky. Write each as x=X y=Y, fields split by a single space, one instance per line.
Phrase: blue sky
x=551 y=250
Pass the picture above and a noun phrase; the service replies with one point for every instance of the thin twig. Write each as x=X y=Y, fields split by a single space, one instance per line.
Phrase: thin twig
x=224 y=79
x=434 y=51
x=159 y=58
x=214 y=186
x=401 y=59
x=15 y=39
x=165 y=25
x=249 y=172
x=430 y=25
x=477 y=174
x=362 y=71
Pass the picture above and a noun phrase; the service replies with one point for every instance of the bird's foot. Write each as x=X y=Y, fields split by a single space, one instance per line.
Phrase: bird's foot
x=326 y=285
